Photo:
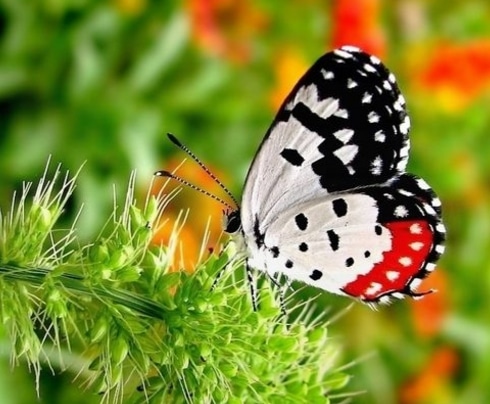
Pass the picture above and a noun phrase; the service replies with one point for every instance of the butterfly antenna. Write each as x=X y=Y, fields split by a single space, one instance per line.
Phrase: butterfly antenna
x=184 y=148
x=168 y=174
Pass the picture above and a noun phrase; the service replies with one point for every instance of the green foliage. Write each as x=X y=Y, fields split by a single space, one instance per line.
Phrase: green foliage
x=146 y=334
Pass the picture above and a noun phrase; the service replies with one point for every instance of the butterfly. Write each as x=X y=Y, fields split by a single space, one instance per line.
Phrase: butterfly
x=327 y=200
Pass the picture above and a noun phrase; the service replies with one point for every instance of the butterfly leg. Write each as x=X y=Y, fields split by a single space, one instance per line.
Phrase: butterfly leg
x=282 y=297
x=416 y=295
x=222 y=270
x=219 y=275
x=253 y=288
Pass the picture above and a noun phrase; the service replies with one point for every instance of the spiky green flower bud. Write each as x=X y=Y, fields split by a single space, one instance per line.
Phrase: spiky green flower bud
x=140 y=324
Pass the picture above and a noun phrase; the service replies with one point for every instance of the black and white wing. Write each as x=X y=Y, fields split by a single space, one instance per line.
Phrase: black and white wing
x=327 y=200
x=344 y=125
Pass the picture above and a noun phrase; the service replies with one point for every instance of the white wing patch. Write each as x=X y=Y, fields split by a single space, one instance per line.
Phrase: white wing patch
x=341 y=113
x=326 y=243
x=327 y=75
x=366 y=99
x=346 y=153
x=401 y=211
x=376 y=165
x=342 y=53
x=308 y=95
x=405 y=125
x=351 y=83
x=373 y=117
x=379 y=136
x=304 y=144
x=344 y=135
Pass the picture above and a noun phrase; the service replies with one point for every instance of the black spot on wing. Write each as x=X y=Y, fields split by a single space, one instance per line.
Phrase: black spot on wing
x=349 y=262
x=275 y=251
x=289 y=264
x=303 y=247
x=334 y=239
x=316 y=274
x=301 y=221
x=339 y=207
x=259 y=237
x=292 y=156
x=316 y=123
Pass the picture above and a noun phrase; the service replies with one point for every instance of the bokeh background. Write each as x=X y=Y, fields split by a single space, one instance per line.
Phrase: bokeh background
x=101 y=82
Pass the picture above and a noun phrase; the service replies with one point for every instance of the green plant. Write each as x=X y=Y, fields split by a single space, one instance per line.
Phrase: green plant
x=142 y=332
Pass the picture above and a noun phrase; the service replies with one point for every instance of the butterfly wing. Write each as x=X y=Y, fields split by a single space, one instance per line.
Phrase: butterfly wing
x=327 y=200
x=370 y=244
x=344 y=125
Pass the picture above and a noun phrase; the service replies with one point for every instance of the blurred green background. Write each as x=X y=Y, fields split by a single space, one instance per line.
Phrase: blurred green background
x=101 y=82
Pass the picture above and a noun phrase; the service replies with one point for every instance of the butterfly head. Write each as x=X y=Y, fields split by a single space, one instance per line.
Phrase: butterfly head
x=232 y=223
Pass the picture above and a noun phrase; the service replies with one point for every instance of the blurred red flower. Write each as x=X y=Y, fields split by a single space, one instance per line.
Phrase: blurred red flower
x=226 y=27
x=357 y=22
x=428 y=314
x=433 y=378
x=456 y=73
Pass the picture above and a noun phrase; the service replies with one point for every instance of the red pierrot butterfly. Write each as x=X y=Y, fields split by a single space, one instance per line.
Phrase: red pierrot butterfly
x=327 y=200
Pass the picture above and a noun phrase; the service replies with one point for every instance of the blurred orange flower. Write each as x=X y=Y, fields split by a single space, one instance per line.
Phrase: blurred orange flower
x=204 y=215
x=432 y=379
x=429 y=313
x=357 y=22
x=290 y=67
x=456 y=73
x=226 y=27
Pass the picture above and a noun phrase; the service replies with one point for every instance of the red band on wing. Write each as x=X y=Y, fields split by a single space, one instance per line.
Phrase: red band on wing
x=411 y=243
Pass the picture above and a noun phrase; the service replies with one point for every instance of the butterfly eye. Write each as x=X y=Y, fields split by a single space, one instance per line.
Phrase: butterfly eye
x=232 y=223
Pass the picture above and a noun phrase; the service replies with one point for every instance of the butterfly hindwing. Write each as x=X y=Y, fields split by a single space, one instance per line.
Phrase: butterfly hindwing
x=344 y=125
x=371 y=243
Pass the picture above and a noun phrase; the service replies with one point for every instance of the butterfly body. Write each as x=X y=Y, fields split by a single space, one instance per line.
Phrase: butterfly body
x=327 y=200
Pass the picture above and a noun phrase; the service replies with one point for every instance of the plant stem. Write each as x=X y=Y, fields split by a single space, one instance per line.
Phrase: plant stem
x=73 y=282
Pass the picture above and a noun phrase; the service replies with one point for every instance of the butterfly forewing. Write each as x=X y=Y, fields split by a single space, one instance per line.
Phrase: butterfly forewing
x=344 y=125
